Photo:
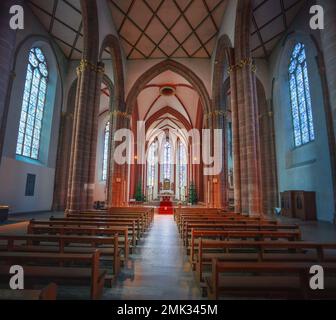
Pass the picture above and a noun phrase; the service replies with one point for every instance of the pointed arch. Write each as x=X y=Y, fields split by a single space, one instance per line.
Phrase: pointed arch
x=171 y=111
x=223 y=60
x=173 y=66
x=112 y=43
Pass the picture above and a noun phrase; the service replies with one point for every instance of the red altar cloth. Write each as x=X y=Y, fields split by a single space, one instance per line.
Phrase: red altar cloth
x=166 y=206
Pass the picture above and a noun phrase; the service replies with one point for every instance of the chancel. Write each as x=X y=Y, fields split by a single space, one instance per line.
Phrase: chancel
x=167 y=150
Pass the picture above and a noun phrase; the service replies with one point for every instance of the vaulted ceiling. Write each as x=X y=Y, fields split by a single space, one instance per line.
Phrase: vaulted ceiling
x=270 y=21
x=166 y=28
x=173 y=111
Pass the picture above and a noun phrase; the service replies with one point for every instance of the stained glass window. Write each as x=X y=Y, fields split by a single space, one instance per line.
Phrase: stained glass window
x=33 y=103
x=300 y=97
x=151 y=165
x=166 y=160
x=183 y=165
x=105 y=151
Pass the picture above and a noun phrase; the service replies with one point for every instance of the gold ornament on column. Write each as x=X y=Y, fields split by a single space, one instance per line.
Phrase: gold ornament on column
x=243 y=63
x=85 y=64
x=118 y=113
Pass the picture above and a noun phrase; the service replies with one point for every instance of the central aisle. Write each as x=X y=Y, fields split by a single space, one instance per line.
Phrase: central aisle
x=159 y=269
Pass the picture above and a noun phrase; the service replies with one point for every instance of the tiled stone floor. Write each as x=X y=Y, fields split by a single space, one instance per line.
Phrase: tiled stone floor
x=159 y=269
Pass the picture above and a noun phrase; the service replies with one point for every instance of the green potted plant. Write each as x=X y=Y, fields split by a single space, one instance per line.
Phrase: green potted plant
x=192 y=194
x=139 y=196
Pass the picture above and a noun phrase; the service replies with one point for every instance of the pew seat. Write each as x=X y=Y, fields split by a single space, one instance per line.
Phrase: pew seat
x=268 y=280
x=47 y=293
x=108 y=246
x=41 y=268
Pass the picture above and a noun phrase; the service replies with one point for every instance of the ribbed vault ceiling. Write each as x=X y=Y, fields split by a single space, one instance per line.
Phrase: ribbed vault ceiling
x=166 y=28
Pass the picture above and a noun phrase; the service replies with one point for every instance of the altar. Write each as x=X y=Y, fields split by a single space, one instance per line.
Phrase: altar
x=167 y=197
x=164 y=196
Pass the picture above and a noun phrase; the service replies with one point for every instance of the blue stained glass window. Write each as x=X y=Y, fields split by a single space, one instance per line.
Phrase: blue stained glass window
x=151 y=164
x=105 y=152
x=166 y=160
x=300 y=97
x=33 y=103
x=183 y=165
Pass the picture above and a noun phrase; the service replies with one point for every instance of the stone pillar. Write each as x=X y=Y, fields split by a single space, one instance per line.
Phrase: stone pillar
x=220 y=180
x=63 y=162
x=84 y=139
x=242 y=143
x=267 y=152
x=211 y=190
x=328 y=39
x=64 y=152
x=7 y=47
x=91 y=160
x=327 y=66
x=117 y=173
x=235 y=142
x=252 y=141
x=247 y=118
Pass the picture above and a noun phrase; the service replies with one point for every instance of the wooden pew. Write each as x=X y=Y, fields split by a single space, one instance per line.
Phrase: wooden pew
x=90 y=227
x=256 y=235
x=132 y=224
x=188 y=225
x=47 y=293
x=148 y=211
x=268 y=278
x=108 y=246
x=46 y=268
x=226 y=216
x=144 y=219
x=84 y=230
x=235 y=251
x=188 y=234
x=178 y=212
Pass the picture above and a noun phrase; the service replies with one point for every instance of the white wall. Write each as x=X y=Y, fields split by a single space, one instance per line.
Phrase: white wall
x=307 y=167
x=13 y=171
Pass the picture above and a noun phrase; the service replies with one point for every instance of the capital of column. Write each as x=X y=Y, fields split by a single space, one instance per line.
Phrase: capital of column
x=85 y=65
x=215 y=113
x=243 y=63
x=120 y=114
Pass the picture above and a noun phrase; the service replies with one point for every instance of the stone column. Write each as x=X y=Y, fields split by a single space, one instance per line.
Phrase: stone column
x=63 y=162
x=235 y=141
x=267 y=153
x=248 y=122
x=210 y=124
x=220 y=186
x=252 y=140
x=117 y=172
x=242 y=143
x=83 y=153
x=91 y=160
x=327 y=66
x=328 y=39
x=7 y=47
